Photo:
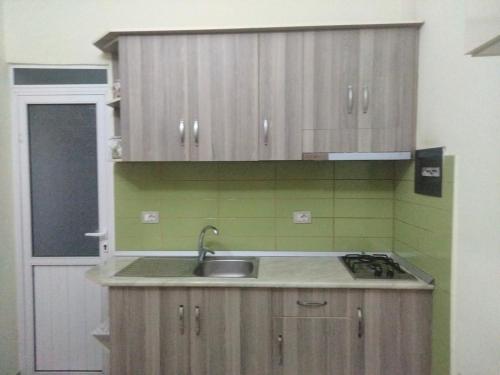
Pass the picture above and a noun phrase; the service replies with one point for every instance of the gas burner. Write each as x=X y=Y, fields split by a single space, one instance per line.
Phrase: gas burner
x=375 y=266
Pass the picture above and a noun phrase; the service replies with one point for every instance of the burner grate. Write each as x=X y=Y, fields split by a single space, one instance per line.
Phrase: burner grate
x=375 y=266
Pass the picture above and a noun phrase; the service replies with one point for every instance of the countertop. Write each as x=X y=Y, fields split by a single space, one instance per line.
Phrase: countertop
x=274 y=272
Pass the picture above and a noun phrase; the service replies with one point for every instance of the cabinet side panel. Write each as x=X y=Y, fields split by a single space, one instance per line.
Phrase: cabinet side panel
x=130 y=69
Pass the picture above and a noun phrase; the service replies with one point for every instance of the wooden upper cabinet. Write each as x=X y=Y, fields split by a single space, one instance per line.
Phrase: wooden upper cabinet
x=272 y=95
x=154 y=110
x=360 y=90
x=331 y=64
x=387 y=89
x=223 y=97
x=281 y=84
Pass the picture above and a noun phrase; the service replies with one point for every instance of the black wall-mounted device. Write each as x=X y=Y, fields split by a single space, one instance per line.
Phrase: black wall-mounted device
x=429 y=171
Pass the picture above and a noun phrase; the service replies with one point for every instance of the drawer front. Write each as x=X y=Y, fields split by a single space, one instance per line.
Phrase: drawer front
x=316 y=302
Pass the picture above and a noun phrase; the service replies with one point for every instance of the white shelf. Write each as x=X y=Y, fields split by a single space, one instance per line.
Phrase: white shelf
x=489 y=48
x=101 y=334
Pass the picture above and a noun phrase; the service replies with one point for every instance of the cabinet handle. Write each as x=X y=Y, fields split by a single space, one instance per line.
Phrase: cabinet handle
x=196 y=132
x=311 y=304
x=365 y=99
x=350 y=99
x=266 y=132
x=181 y=319
x=361 y=324
x=280 y=349
x=197 y=319
x=182 y=131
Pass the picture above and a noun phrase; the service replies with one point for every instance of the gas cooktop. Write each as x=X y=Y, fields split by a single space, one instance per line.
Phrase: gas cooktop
x=375 y=266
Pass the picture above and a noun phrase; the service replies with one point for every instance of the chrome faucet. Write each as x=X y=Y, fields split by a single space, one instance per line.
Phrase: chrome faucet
x=202 y=250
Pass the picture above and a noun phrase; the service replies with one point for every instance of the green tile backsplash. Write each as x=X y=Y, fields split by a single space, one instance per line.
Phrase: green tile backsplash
x=355 y=206
x=423 y=235
x=252 y=204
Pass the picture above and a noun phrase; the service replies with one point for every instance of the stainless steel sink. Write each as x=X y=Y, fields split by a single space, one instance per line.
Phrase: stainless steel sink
x=228 y=267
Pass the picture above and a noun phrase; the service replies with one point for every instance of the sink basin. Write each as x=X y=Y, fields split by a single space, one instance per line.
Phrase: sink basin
x=228 y=267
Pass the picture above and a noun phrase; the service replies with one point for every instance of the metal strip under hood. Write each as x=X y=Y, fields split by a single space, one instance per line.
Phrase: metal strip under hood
x=406 y=155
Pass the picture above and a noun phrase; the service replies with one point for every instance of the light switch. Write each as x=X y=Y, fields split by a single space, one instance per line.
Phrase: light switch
x=150 y=217
x=302 y=217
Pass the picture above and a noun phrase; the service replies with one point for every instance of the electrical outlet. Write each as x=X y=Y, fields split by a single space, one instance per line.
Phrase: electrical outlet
x=302 y=217
x=150 y=217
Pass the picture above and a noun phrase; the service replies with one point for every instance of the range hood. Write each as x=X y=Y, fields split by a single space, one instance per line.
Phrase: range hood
x=357 y=155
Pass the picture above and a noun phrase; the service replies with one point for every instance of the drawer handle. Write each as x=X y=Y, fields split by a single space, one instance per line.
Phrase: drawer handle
x=311 y=304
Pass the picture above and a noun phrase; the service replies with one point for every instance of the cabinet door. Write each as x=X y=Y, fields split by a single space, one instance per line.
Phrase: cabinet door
x=281 y=84
x=154 y=97
x=398 y=332
x=313 y=346
x=144 y=331
x=331 y=63
x=230 y=331
x=223 y=96
x=174 y=332
x=387 y=89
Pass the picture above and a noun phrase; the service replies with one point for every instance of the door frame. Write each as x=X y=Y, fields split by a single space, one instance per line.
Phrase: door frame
x=21 y=96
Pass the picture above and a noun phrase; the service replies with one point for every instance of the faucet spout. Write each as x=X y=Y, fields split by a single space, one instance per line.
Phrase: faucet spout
x=202 y=250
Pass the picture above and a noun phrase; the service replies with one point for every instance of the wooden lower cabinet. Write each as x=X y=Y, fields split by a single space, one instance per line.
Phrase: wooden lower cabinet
x=397 y=335
x=262 y=331
x=314 y=346
x=230 y=331
x=190 y=331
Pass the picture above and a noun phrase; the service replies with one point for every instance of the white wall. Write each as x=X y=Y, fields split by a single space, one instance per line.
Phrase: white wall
x=459 y=107
x=62 y=31
x=8 y=332
x=482 y=22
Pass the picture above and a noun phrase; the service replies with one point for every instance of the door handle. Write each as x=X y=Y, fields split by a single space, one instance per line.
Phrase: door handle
x=350 y=99
x=102 y=234
x=197 y=318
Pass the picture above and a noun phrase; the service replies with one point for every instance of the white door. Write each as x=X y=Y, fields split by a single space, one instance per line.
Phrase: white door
x=62 y=180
